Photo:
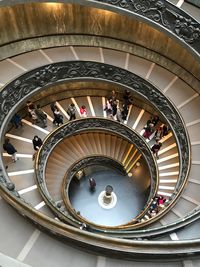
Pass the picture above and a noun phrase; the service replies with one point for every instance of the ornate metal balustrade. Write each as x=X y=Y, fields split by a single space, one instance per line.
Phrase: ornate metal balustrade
x=19 y=90
x=157 y=231
x=158 y=13
x=172 y=19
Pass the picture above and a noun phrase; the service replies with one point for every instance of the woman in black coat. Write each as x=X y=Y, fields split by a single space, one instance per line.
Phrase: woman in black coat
x=37 y=142
x=10 y=149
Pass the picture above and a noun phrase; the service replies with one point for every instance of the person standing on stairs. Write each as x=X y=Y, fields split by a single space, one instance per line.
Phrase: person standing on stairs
x=71 y=111
x=155 y=120
x=108 y=109
x=127 y=98
x=29 y=105
x=159 y=133
x=58 y=118
x=16 y=121
x=148 y=130
x=31 y=110
x=165 y=130
x=37 y=143
x=124 y=112
x=83 y=112
x=127 y=101
x=10 y=149
x=155 y=148
x=112 y=97
x=42 y=117
x=53 y=108
x=119 y=113
x=113 y=102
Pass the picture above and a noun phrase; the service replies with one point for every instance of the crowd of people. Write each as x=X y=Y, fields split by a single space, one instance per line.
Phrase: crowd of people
x=152 y=132
x=150 y=129
x=114 y=108
x=157 y=205
x=36 y=114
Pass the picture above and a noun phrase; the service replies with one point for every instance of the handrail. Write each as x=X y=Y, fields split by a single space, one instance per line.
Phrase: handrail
x=20 y=89
x=160 y=14
x=177 y=247
x=163 y=14
x=130 y=249
x=158 y=231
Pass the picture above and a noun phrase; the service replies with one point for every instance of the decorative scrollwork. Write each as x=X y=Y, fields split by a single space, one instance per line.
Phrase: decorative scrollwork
x=187 y=29
x=42 y=77
x=166 y=15
x=155 y=10
x=18 y=91
x=7 y=184
x=21 y=87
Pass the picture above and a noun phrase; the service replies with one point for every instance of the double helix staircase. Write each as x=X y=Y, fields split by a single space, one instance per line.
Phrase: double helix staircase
x=83 y=145
x=87 y=144
x=23 y=241
x=22 y=173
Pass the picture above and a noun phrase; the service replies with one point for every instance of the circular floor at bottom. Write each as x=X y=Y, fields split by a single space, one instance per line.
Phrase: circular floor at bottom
x=130 y=198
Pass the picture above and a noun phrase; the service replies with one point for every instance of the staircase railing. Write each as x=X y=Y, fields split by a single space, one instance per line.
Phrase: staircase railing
x=20 y=89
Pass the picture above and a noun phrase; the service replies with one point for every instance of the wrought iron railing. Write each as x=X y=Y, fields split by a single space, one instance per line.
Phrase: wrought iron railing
x=33 y=81
x=19 y=90
x=173 y=20
x=159 y=13
x=187 y=30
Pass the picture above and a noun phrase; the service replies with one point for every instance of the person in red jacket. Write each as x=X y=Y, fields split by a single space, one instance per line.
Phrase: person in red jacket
x=83 y=111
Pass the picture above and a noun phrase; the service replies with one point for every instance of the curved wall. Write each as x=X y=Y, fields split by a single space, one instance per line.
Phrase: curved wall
x=58 y=24
x=19 y=24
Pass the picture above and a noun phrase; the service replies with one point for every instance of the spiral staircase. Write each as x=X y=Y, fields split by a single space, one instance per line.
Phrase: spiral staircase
x=172 y=239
